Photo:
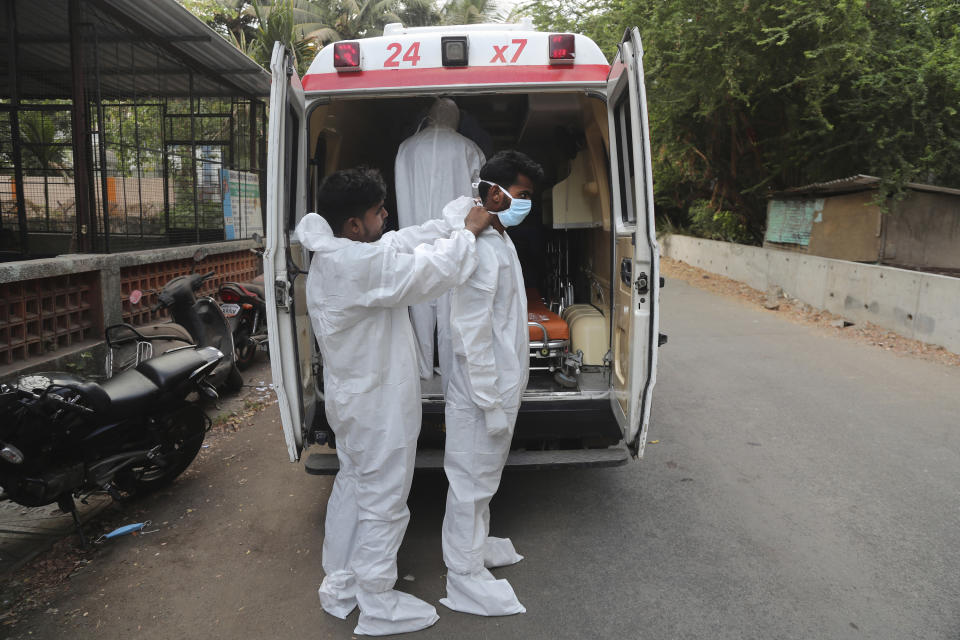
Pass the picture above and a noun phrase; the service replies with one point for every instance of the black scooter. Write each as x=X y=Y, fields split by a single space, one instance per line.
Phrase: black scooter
x=196 y=321
x=63 y=436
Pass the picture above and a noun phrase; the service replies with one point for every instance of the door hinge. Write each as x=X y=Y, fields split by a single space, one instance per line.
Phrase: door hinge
x=282 y=289
x=642 y=284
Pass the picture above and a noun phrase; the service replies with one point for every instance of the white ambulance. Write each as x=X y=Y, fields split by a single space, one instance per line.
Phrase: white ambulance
x=588 y=250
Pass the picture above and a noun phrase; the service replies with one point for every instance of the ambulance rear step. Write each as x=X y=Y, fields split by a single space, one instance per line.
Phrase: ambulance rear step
x=321 y=464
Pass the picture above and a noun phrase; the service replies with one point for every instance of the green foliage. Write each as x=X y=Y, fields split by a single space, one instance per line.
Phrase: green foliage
x=305 y=26
x=752 y=96
x=468 y=11
x=43 y=141
x=294 y=23
x=594 y=18
x=707 y=222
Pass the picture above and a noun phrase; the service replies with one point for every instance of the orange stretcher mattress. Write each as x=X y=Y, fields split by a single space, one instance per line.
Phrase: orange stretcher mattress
x=537 y=311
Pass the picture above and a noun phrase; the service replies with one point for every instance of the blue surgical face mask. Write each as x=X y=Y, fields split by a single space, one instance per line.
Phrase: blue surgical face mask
x=516 y=212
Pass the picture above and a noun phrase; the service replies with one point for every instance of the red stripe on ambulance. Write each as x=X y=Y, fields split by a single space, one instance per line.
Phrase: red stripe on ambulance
x=442 y=76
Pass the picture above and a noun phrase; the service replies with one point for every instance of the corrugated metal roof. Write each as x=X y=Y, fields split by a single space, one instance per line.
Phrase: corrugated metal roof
x=137 y=47
x=853 y=184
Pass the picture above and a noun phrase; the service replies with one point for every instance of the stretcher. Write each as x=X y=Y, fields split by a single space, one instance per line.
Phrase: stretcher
x=549 y=334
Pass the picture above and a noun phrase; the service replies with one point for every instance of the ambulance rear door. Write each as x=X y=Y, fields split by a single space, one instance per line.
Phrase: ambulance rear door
x=635 y=318
x=285 y=262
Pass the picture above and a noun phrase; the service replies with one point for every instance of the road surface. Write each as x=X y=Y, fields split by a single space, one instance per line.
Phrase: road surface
x=802 y=486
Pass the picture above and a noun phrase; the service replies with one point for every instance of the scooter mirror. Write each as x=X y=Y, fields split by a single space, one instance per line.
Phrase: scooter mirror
x=199 y=255
x=136 y=296
x=256 y=237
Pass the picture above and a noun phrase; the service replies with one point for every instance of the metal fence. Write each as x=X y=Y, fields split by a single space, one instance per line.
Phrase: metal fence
x=163 y=162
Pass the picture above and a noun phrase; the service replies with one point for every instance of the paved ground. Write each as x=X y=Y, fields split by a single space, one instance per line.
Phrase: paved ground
x=802 y=486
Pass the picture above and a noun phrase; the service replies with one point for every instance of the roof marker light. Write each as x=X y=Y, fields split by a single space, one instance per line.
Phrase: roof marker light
x=454 y=51
x=562 y=48
x=346 y=56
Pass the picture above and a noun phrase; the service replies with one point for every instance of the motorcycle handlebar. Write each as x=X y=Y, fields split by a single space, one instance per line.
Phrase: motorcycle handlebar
x=66 y=404
x=198 y=280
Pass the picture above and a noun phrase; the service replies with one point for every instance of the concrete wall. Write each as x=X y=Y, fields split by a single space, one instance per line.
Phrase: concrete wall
x=917 y=305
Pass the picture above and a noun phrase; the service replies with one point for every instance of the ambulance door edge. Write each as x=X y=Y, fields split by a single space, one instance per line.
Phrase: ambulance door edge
x=281 y=325
x=633 y=265
x=646 y=250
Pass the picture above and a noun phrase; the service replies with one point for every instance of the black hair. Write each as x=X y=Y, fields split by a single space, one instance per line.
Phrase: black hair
x=349 y=193
x=504 y=167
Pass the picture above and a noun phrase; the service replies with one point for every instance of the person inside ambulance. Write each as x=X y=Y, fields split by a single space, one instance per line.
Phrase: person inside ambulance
x=433 y=167
x=360 y=283
x=490 y=353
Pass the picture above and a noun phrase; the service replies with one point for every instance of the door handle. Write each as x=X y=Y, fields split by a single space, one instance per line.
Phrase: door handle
x=626 y=271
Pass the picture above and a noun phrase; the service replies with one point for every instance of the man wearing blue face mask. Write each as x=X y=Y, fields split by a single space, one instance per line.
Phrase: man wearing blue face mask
x=485 y=359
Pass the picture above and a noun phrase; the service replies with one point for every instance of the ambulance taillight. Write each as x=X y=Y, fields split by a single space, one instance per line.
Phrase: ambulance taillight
x=562 y=48
x=346 y=56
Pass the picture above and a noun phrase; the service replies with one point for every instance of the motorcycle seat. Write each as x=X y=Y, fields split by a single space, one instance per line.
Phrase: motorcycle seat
x=171 y=368
x=129 y=393
x=255 y=288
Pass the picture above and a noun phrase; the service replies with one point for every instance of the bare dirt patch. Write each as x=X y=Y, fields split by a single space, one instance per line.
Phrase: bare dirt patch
x=796 y=311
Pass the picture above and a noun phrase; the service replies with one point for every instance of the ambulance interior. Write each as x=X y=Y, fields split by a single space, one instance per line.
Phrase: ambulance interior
x=565 y=245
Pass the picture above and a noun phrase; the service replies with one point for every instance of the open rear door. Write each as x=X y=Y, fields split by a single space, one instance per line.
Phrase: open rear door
x=284 y=260
x=636 y=254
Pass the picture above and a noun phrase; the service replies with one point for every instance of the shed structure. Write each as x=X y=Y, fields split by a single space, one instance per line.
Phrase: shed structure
x=120 y=124
x=841 y=219
x=131 y=136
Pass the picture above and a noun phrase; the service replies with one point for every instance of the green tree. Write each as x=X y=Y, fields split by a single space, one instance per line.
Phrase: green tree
x=229 y=18
x=43 y=148
x=468 y=11
x=755 y=96
x=298 y=24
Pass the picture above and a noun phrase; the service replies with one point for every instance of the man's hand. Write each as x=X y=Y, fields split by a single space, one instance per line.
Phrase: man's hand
x=477 y=220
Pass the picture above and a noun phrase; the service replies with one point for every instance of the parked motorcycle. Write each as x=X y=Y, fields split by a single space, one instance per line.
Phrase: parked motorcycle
x=64 y=436
x=196 y=321
x=244 y=306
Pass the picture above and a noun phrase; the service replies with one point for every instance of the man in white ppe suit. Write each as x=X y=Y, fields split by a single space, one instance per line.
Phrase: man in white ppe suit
x=433 y=167
x=488 y=373
x=358 y=289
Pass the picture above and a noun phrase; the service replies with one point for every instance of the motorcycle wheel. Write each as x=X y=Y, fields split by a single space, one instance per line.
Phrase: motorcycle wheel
x=234 y=381
x=246 y=350
x=181 y=447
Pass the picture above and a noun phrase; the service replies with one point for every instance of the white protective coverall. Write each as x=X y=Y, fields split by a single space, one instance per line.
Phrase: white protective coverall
x=490 y=352
x=357 y=296
x=433 y=167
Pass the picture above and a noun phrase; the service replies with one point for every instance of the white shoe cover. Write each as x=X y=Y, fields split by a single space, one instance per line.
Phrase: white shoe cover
x=481 y=594
x=499 y=552
x=338 y=594
x=389 y=612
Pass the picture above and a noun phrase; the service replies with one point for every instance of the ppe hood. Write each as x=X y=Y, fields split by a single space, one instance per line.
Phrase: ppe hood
x=456 y=211
x=444 y=114
x=314 y=233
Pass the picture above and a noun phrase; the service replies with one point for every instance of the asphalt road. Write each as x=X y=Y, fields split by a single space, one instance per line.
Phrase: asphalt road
x=803 y=486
